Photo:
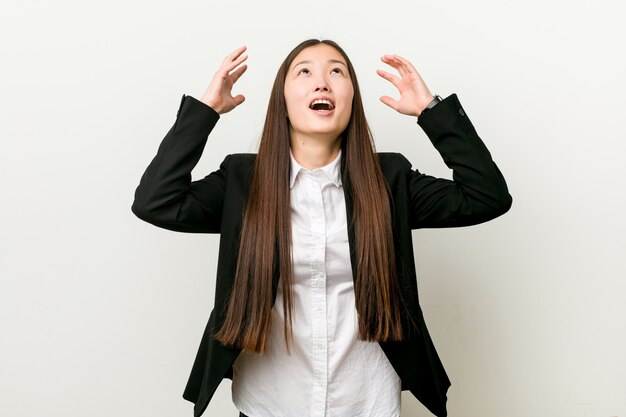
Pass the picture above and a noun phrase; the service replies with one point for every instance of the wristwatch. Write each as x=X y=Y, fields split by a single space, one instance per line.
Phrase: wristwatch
x=432 y=104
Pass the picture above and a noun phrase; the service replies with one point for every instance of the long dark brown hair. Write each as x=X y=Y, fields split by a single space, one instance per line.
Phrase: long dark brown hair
x=265 y=242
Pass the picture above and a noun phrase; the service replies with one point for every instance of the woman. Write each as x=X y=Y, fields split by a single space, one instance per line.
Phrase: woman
x=343 y=333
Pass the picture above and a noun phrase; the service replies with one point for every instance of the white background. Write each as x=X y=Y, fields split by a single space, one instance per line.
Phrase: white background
x=101 y=314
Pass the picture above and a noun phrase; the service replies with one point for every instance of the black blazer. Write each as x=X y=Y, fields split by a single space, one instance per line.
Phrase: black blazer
x=166 y=197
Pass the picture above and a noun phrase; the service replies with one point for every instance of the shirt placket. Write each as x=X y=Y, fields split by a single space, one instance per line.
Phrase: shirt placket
x=318 y=297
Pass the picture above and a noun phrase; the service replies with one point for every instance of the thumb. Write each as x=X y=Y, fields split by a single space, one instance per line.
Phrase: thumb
x=239 y=99
x=390 y=102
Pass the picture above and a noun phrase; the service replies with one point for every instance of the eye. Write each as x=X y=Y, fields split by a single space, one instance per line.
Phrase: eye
x=303 y=69
x=338 y=69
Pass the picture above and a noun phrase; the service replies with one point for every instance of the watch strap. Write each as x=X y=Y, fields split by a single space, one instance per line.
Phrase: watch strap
x=432 y=104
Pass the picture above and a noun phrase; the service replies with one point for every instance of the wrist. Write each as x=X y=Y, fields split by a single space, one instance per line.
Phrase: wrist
x=435 y=100
x=212 y=105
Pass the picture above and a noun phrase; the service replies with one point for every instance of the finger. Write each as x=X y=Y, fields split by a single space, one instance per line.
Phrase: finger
x=407 y=64
x=390 y=77
x=238 y=72
x=390 y=102
x=388 y=59
x=394 y=62
x=233 y=55
x=402 y=66
x=234 y=64
x=231 y=61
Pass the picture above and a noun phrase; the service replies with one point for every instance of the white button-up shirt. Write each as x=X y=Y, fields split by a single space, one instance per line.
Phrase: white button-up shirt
x=330 y=372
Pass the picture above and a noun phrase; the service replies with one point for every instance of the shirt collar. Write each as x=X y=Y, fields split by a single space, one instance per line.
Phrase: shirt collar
x=332 y=170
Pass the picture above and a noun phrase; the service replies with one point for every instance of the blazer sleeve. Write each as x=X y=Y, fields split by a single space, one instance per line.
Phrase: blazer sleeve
x=478 y=191
x=166 y=197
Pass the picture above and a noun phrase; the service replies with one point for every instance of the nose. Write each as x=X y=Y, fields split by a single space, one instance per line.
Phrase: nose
x=322 y=87
x=321 y=84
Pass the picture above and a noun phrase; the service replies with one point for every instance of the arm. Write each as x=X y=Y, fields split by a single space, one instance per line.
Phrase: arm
x=166 y=197
x=478 y=191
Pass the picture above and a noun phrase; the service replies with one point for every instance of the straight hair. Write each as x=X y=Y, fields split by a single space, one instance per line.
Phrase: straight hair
x=265 y=241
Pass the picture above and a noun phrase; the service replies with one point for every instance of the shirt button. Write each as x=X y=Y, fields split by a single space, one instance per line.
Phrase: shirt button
x=319 y=309
x=461 y=111
x=319 y=345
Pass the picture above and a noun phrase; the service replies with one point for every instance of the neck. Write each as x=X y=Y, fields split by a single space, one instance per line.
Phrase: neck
x=315 y=152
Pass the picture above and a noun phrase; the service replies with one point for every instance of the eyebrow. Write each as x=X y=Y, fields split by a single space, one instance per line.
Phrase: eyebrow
x=332 y=61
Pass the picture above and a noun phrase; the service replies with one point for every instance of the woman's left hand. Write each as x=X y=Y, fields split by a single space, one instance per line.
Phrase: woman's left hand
x=414 y=94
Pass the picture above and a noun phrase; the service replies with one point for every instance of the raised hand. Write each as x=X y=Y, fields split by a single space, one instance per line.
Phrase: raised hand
x=414 y=94
x=218 y=95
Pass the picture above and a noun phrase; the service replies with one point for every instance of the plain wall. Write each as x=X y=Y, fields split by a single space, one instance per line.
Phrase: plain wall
x=101 y=314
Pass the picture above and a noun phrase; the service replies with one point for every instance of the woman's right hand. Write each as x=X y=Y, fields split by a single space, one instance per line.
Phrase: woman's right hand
x=218 y=95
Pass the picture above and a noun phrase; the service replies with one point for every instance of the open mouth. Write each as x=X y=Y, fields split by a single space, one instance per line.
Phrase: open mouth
x=322 y=106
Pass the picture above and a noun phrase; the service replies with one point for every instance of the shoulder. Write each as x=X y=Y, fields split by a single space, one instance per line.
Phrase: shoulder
x=236 y=169
x=241 y=157
x=396 y=169
x=239 y=166
x=393 y=163
x=391 y=157
x=236 y=161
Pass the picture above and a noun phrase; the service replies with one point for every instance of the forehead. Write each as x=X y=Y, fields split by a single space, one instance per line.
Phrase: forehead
x=321 y=53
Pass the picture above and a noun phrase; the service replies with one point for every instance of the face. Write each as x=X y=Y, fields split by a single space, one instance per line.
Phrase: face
x=318 y=72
